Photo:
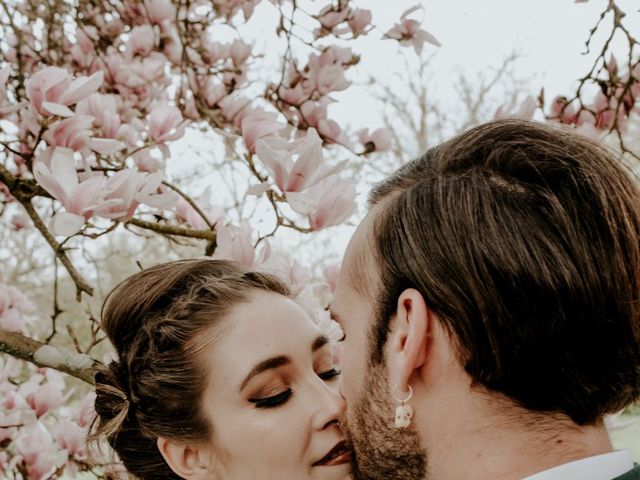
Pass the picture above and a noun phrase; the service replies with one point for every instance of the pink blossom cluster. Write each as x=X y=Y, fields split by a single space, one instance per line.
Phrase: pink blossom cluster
x=343 y=19
x=131 y=75
x=410 y=33
x=41 y=435
x=85 y=194
x=616 y=99
x=16 y=310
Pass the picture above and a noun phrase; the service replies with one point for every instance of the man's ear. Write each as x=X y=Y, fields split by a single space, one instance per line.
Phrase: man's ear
x=409 y=337
x=187 y=461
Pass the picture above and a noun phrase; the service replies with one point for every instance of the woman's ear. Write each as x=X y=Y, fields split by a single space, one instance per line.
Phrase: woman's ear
x=409 y=337
x=186 y=460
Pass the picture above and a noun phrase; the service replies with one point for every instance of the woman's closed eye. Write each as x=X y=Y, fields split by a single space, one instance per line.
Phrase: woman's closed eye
x=329 y=374
x=273 y=400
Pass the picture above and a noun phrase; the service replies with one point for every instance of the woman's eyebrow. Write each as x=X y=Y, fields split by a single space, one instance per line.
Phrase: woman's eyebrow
x=268 y=364
x=280 y=361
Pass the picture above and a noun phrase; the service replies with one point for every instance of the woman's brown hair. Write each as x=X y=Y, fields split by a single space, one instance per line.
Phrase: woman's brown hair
x=159 y=320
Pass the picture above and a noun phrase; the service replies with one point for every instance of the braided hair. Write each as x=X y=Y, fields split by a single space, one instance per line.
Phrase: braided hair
x=160 y=320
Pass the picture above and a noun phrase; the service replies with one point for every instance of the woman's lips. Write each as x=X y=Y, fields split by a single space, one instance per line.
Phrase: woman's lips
x=338 y=455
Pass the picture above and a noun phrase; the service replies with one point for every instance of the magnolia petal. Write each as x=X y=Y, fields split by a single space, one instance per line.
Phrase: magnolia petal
x=161 y=200
x=409 y=11
x=301 y=202
x=105 y=146
x=82 y=87
x=428 y=37
x=66 y=224
x=258 y=189
x=57 y=109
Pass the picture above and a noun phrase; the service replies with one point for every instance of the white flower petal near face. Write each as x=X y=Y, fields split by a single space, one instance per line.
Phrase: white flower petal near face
x=259 y=124
x=55 y=171
x=105 y=146
x=166 y=124
x=328 y=203
x=295 y=165
x=66 y=223
x=57 y=109
x=82 y=87
x=147 y=192
x=234 y=243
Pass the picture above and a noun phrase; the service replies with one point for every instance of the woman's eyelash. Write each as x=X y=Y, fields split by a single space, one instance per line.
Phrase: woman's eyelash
x=329 y=374
x=281 y=398
x=273 y=401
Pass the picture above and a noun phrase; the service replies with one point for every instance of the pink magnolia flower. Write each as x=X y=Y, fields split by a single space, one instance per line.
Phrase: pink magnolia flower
x=259 y=124
x=51 y=90
x=329 y=203
x=377 y=141
x=70 y=436
x=142 y=40
x=20 y=221
x=235 y=108
x=189 y=215
x=331 y=131
x=562 y=112
x=15 y=309
x=213 y=52
x=55 y=171
x=295 y=175
x=104 y=110
x=146 y=162
x=239 y=52
x=212 y=92
x=330 y=16
x=37 y=448
x=86 y=412
x=46 y=397
x=333 y=55
x=166 y=124
x=329 y=79
x=160 y=11
x=75 y=133
x=359 y=21
x=234 y=243
x=128 y=188
x=294 y=274
x=294 y=96
x=408 y=32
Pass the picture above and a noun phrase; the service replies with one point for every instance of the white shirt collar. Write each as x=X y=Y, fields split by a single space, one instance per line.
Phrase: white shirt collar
x=599 y=467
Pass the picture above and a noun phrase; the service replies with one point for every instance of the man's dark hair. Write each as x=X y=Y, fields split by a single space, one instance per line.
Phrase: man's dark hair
x=524 y=239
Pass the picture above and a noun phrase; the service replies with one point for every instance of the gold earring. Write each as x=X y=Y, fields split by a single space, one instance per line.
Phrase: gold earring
x=404 y=413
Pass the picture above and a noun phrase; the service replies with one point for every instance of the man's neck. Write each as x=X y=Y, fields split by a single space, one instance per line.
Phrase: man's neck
x=503 y=445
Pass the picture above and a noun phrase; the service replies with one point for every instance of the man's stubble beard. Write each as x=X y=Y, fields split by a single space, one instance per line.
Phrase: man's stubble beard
x=382 y=451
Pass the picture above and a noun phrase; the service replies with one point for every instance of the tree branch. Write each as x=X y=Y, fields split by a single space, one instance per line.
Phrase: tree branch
x=15 y=186
x=25 y=348
x=174 y=230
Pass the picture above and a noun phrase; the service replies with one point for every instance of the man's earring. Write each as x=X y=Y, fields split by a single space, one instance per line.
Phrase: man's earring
x=404 y=413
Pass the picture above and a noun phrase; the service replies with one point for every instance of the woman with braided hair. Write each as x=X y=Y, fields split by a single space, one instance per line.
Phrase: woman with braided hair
x=219 y=375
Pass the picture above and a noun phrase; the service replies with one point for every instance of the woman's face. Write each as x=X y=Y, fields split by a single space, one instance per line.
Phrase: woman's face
x=272 y=396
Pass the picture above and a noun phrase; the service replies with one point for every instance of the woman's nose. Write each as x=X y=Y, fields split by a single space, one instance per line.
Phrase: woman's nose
x=329 y=405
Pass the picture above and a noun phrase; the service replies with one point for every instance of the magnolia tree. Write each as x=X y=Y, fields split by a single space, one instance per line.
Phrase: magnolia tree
x=95 y=97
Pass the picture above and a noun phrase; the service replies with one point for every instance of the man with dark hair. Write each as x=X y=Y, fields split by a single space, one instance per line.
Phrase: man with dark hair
x=491 y=306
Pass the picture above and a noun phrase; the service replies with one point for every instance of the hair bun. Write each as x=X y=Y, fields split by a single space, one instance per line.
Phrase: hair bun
x=112 y=402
